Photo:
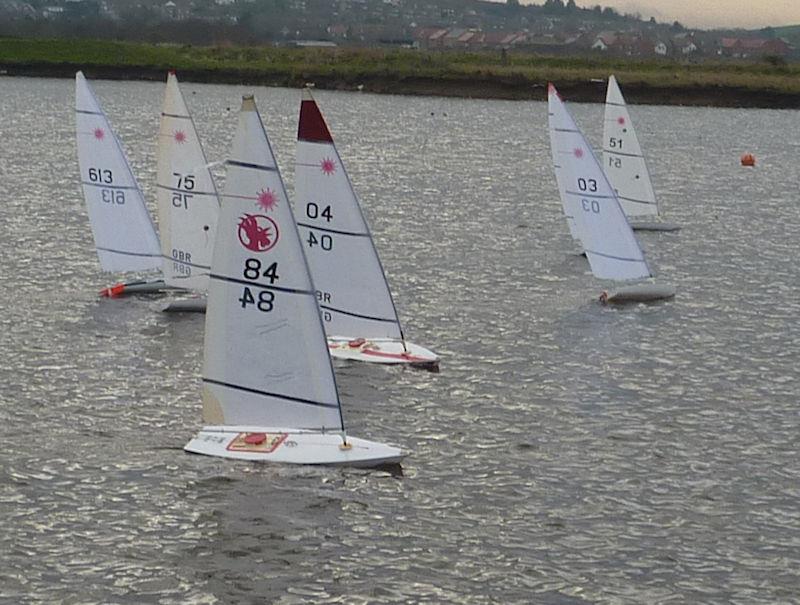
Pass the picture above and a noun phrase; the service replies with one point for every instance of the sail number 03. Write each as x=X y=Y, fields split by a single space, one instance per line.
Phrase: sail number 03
x=591 y=186
x=264 y=302
x=590 y=205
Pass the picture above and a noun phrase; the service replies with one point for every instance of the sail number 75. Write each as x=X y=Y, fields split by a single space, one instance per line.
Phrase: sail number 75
x=252 y=271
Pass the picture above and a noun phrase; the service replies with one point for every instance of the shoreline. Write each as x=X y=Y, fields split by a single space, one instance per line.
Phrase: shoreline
x=480 y=85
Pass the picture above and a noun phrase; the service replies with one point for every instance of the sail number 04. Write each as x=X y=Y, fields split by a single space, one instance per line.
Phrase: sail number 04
x=313 y=212
x=264 y=302
x=324 y=241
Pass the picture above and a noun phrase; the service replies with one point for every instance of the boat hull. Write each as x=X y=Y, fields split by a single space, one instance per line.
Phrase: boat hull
x=639 y=293
x=149 y=286
x=185 y=305
x=291 y=446
x=654 y=226
x=383 y=351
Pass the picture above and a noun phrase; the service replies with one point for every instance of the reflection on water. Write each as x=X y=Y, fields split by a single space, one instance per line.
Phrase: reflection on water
x=567 y=452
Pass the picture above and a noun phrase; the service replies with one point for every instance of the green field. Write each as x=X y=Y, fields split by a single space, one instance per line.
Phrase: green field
x=407 y=71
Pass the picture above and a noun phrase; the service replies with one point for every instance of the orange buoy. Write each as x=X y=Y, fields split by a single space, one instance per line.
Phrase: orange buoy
x=748 y=159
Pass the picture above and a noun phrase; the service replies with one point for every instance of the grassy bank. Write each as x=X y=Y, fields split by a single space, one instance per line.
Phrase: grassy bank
x=405 y=71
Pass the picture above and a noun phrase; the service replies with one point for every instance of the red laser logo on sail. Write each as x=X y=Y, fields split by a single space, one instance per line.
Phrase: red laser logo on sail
x=99 y=134
x=258 y=233
x=328 y=166
x=267 y=199
x=578 y=152
x=621 y=121
x=180 y=137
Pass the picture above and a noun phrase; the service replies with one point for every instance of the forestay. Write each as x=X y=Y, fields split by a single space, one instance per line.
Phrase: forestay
x=354 y=297
x=623 y=160
x=123 y=231
x=188 y=205
x=610 y=245
x=266 y=358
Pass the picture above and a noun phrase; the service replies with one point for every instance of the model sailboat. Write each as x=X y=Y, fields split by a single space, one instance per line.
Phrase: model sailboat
x=188 y=204
x=354 y=297
x=626 y=167
x=124 y=235
x=269 y=392
x=608 y=241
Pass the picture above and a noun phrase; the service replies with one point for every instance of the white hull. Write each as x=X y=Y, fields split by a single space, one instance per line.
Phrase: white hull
x=185 y=305
x=638 y=293
x=150 y=286
x=380 y=350
x=291 y=446
x=654 y=226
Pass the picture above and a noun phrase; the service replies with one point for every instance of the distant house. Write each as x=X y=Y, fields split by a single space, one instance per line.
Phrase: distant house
x=684 y=44
x=604 y=41
x=170 y=9
x=338 y=30
x=430 y=37
x=52 y=12
x=314 y=43
x=743 y=48
x=549 y=43
x=661 y=49
x=501 y=39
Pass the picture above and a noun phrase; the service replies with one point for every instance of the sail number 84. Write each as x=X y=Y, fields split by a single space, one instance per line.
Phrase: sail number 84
x=264 y=302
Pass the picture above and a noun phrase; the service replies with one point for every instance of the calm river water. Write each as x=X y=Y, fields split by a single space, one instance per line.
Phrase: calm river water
x=567 y=453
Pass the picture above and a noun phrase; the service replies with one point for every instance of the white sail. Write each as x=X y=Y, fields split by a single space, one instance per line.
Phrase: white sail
x=610 y=245
x=123 y=231
x=266 y=357
x=623 y=161
x=567 y=203
x=352 y=291
x=188 y=205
